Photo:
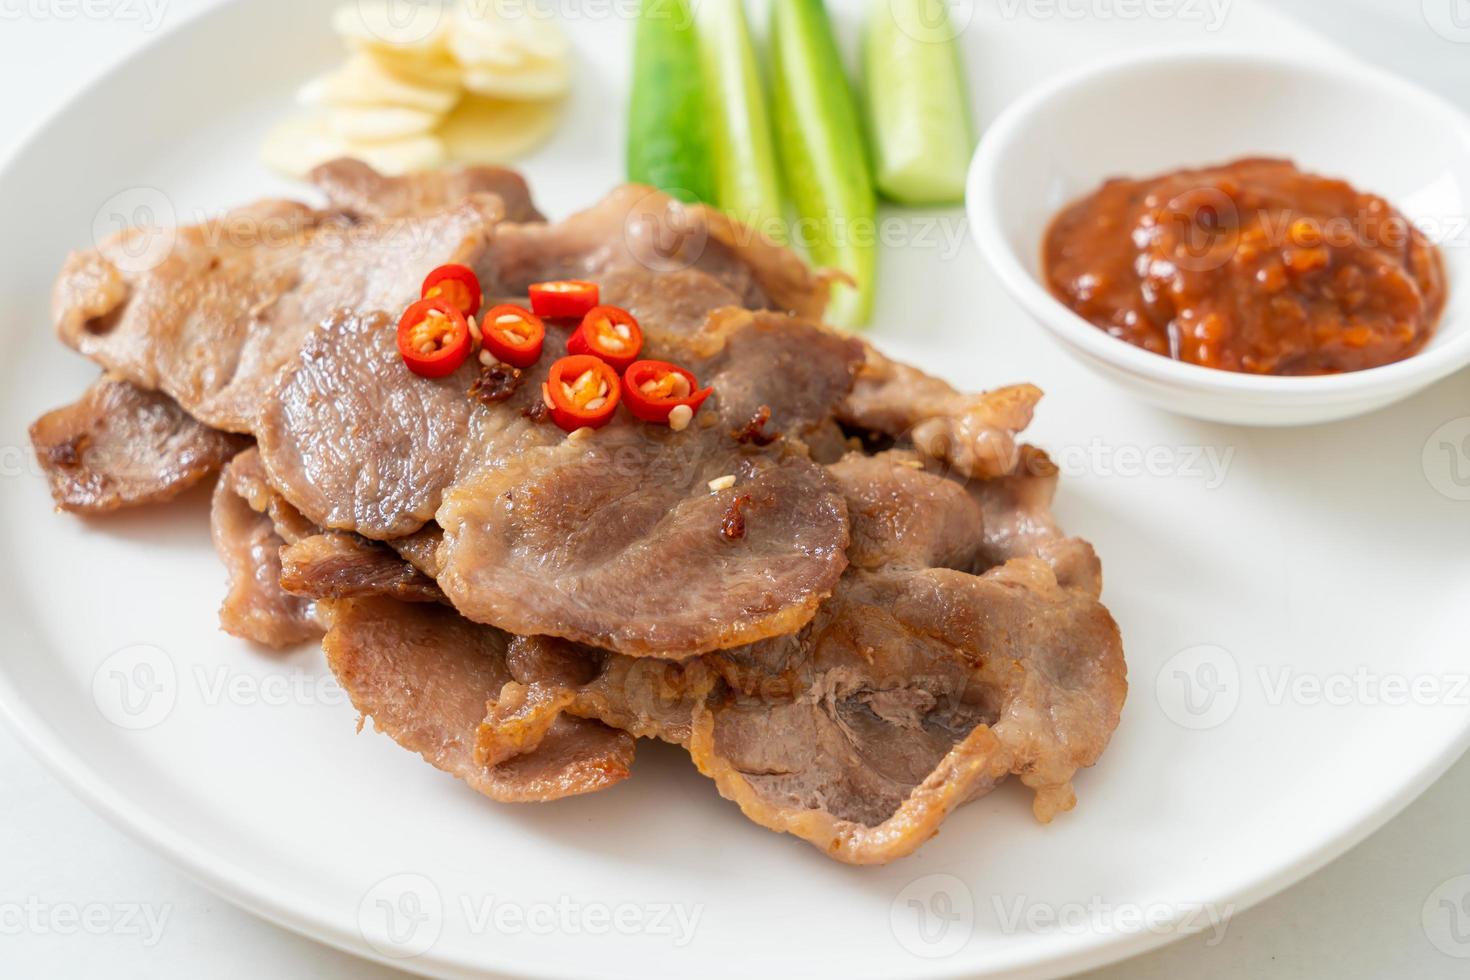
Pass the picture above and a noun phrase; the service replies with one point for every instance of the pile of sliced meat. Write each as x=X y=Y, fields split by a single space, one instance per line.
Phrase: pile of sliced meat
x=872 y=620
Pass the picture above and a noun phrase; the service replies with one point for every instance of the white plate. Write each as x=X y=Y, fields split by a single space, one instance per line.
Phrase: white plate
x=1319 y=552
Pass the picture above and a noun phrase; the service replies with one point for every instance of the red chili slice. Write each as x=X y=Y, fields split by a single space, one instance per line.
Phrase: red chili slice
x=434 y=338
x=566 y=298
x=514 y=335
x=581 y=391
x=653 y=389
x=610 y=333
x=457 y=285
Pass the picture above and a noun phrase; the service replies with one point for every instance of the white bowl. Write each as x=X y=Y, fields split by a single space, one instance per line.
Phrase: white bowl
x=1146 y=115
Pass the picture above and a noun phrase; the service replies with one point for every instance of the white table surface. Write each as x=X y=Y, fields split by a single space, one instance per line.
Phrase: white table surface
x=1362 y=918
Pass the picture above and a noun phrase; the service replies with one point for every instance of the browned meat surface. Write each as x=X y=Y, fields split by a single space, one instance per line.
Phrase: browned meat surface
x=667 y=262
x=644 y=696
x=669 y=305
x=249 y=541
x=910 y=694
x=359 y=442
x=120 y=446
x=793 y=372
x=614 y=539
x=335 y=565
x=421 y=549
x=842 y=589
x=617 y=540
x=637 y=233
x=917 y=687
x=248 y=477
x=902 y=514
x=358 y=190
x=230 y=303
x=428 y=678
x=973 y=434
x=790 y=285
x=1019 y=523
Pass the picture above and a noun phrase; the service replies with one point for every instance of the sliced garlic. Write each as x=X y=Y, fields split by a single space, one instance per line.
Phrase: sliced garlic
x=379 y=124
x=363 y=81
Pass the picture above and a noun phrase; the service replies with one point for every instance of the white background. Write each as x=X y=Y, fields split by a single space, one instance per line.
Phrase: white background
x=1357 y=919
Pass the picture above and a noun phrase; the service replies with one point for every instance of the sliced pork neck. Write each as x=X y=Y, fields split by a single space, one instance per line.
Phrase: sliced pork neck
x=121 y=446
x=841 y=589
x=429 y=678
x=250 y=525
x=917 y=686
x=358 y=191
x=286 y=337
x=228 y=305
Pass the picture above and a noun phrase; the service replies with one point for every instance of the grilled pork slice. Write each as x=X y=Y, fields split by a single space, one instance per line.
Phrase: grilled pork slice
x=912 y=692
x=240 y=322
x=279 y=562
x=428 y=678
x=670 y=304
x=1018 y=523
x=120 y=446
x=360 y=443
x=357 y=190
x=917 y=687
x=250 y=525
x=669 y=263
x=630 y=540
x=613 y=540
x=634 y=238
x=337 y=565
x=973 y=434
x=421 y=549
x=211 y=319
x=227 y=304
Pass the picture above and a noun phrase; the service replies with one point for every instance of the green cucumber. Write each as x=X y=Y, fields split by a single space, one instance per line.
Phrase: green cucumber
x=823 y=156
x=747 y=183
x=668 y=139
x=918 y=116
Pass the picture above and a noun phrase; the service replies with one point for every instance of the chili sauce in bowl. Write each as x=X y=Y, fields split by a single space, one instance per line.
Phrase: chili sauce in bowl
x=1253 y=266
x=1234 y=291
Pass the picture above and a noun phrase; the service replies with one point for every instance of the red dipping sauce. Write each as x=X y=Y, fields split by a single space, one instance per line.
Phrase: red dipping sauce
x=1253 y=266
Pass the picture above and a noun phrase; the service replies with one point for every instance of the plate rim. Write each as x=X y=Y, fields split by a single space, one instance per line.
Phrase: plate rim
x=261 y=897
